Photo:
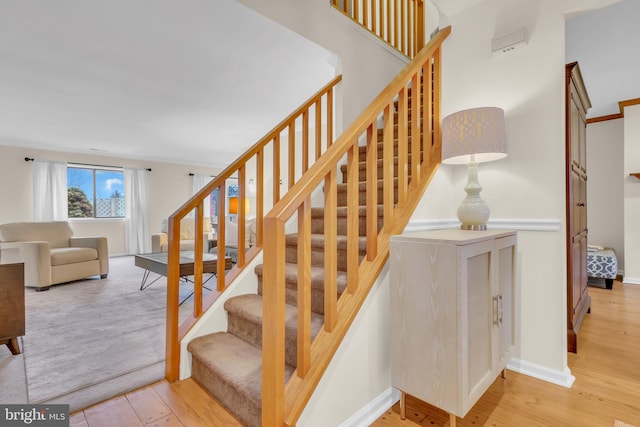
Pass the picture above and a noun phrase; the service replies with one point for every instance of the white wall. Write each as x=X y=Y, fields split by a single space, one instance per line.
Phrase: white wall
x=631 y=195
x=605 y=189
x=367 y=67
x=169 y=187
x=528 y=84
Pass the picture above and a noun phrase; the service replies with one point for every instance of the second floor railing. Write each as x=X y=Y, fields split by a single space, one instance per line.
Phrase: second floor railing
x=400 y=23
x=290 y=148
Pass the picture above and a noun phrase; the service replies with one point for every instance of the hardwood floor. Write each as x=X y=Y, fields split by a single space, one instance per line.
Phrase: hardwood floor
x=607 y=386
x=182 y=403
x=606 y=390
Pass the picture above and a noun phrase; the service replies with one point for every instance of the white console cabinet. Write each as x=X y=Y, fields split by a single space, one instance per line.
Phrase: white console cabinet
x=452 y=314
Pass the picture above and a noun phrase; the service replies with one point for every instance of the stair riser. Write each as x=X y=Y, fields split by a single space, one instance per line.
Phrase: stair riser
x=249 y=413
x=362 y=196
x=317 y=225
x=291 y=296
x=317 y=257
x=251 y=332
x=362 y=151
x=380 y=133
x=362 y=172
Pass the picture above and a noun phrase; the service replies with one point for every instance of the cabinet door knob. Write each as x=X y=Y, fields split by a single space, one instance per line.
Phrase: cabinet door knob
x=496 y=317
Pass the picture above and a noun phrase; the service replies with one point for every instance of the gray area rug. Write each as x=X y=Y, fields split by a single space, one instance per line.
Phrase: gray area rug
x=12 y=378
x=90 y=340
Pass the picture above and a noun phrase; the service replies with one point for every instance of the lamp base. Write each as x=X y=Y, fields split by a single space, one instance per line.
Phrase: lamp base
x=477 y=227
x=473 y=212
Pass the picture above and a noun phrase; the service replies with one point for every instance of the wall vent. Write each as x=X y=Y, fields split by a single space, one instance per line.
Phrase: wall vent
x=509 y=42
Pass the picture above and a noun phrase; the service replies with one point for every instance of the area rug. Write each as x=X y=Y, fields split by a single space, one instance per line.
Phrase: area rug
x=90 y=340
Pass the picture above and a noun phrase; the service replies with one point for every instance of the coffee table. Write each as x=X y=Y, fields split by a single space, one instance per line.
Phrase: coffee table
x=158 y=263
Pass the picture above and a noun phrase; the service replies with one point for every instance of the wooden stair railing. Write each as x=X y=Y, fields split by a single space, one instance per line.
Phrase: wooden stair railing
x=400 y=23
x=303 y=147
x=415 y=94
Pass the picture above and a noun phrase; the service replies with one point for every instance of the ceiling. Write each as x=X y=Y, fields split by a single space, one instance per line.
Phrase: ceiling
x=606 y=43
x=149 y=79
x=158 y=79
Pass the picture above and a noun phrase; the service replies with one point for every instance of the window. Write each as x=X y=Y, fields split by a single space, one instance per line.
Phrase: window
x=95 y=191
x=232 y=191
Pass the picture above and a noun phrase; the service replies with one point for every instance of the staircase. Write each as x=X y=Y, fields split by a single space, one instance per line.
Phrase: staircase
x=229 y=364
x=312 y=283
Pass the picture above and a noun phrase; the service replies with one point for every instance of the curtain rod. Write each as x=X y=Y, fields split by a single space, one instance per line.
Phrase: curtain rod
x=193 y=174
x=31 y=159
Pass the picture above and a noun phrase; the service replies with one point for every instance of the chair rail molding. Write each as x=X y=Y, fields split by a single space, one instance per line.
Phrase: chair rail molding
x=518 y=224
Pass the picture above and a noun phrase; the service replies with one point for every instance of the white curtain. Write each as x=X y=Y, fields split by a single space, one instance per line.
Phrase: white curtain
x=198 y=183
x=49 y=191
x=136 y=211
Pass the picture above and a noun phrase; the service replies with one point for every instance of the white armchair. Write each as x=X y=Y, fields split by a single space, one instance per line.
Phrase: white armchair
x=50 y=254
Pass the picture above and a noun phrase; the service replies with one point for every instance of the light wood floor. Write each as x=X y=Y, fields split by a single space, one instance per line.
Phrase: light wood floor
x=606 y=390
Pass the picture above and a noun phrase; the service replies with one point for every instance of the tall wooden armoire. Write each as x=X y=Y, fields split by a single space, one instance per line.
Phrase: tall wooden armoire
x=578 y=300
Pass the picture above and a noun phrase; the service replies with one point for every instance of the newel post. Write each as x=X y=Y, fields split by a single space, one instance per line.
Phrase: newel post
x=273 y=326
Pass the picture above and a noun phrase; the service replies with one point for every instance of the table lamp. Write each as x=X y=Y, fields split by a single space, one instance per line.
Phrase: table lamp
x=233 y=205
x=470 y=137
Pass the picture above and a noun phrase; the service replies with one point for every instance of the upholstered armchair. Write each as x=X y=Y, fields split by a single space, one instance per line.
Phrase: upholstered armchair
x=50 y=253
x=231 y=238
x=160 y=241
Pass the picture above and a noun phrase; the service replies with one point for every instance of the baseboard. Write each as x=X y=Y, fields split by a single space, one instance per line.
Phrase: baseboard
x=374 y=409
x=499 y=224
x=563 y=378
x=631 y=280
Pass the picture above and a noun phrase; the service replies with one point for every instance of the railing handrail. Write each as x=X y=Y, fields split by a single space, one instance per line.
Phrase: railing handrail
x=176 y=331
x=230 y=170
x=286 y=206
x=283 y=404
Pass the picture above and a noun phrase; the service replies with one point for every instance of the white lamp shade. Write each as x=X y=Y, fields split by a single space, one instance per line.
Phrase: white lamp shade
x=478 y=131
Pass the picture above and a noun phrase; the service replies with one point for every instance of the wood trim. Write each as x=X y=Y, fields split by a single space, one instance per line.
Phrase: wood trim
x=621 y=105
x=627 y=103
x=604 y=118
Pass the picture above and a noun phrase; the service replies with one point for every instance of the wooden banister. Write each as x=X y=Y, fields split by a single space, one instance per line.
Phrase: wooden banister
x=322 y=103
x=412 y=95
x=400 y=24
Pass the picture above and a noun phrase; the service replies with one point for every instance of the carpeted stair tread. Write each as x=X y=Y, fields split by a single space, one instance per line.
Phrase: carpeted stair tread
x=362 y=197
x=245 y=322
x=317 y=241
x=317 y=276
x=341 y=211
x=362 y=149
x=230 y=369
x=317 y=219
x=317 y=285
x=362 y=168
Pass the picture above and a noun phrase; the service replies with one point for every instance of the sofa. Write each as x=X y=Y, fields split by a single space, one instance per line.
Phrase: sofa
x=50 y=253
x=160 y=241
